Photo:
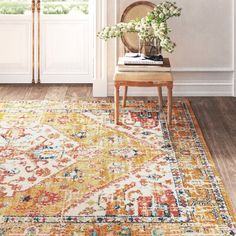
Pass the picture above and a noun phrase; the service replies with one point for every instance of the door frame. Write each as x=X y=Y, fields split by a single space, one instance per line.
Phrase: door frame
x=100 y=57
x=234 y=49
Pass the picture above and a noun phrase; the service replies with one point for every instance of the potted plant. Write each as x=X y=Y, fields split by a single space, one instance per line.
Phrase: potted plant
x=152 y=30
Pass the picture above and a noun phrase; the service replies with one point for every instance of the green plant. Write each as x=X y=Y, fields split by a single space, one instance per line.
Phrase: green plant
x=48 y=6
x=14 y=7
x=64 y=8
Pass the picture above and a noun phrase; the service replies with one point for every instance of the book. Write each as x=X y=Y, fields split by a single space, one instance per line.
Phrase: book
x=131 y=54
x=122 y=67
x=139 y=60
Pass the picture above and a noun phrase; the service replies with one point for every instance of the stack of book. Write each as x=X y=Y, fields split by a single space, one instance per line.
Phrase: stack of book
x=133 y=62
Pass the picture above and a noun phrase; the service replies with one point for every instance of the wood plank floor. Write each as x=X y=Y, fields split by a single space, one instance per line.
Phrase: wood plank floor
x=216 y=115
x=217 y=119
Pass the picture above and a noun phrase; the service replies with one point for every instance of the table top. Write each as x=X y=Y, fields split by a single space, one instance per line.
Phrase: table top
x=144 y=77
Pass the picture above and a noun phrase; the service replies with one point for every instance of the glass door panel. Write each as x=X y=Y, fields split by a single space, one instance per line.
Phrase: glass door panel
x=15 y=7
x=64 y=7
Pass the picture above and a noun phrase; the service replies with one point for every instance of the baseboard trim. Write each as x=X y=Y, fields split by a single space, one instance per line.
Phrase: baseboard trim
x=202 y=69
x=183 y=90
x=203 y=84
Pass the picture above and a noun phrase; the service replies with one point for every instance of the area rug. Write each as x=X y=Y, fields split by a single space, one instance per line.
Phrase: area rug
x=66 y=169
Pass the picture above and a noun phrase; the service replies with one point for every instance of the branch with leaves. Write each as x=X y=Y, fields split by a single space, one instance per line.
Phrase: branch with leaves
x=153 y=26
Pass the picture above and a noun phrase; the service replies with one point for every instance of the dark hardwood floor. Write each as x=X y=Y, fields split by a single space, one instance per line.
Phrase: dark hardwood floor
x=217 y=119
x=216 y=115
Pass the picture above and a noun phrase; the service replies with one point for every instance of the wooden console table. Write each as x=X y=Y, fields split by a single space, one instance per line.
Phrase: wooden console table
x=162 y=77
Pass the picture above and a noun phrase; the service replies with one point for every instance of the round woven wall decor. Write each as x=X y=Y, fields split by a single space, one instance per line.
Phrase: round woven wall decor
x=136 y=10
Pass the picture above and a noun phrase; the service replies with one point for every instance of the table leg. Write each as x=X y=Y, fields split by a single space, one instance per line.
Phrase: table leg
x=117 y=95
x=160 y=97
x=169 y=115
x=125 y=96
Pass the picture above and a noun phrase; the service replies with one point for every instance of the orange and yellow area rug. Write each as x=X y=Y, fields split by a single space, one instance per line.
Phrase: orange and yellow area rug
x=67 y=170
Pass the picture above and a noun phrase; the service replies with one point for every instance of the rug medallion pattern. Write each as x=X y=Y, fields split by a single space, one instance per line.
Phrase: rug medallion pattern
x=67 y=169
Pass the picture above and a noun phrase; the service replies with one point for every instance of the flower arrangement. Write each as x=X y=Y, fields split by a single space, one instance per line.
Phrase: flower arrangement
x=153 y=26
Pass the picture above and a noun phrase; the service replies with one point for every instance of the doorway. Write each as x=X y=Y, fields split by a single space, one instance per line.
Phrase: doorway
x=48 y=41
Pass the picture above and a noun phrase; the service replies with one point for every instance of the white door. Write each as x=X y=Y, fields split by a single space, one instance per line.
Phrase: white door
x=15 y=41
x=66 y=41
x=55 y=46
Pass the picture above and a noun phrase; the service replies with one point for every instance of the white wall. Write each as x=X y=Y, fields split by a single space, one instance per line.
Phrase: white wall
x=203 y=62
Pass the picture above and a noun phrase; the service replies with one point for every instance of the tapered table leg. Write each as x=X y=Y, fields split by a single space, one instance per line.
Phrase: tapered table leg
x=117 y=95
x=125 y=96
x=169 y=110
x=160 y=97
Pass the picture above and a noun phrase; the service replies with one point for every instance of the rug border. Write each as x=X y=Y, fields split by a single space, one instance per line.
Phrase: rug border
x=210 y=158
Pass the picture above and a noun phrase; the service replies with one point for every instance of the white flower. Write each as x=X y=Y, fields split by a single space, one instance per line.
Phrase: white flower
x=176 y=12
x=106 y=29
x=165 y=11
x=161 y=15
x=172 y=9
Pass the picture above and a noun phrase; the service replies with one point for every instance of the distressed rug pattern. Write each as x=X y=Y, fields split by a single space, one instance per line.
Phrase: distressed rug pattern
x=67 y=169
